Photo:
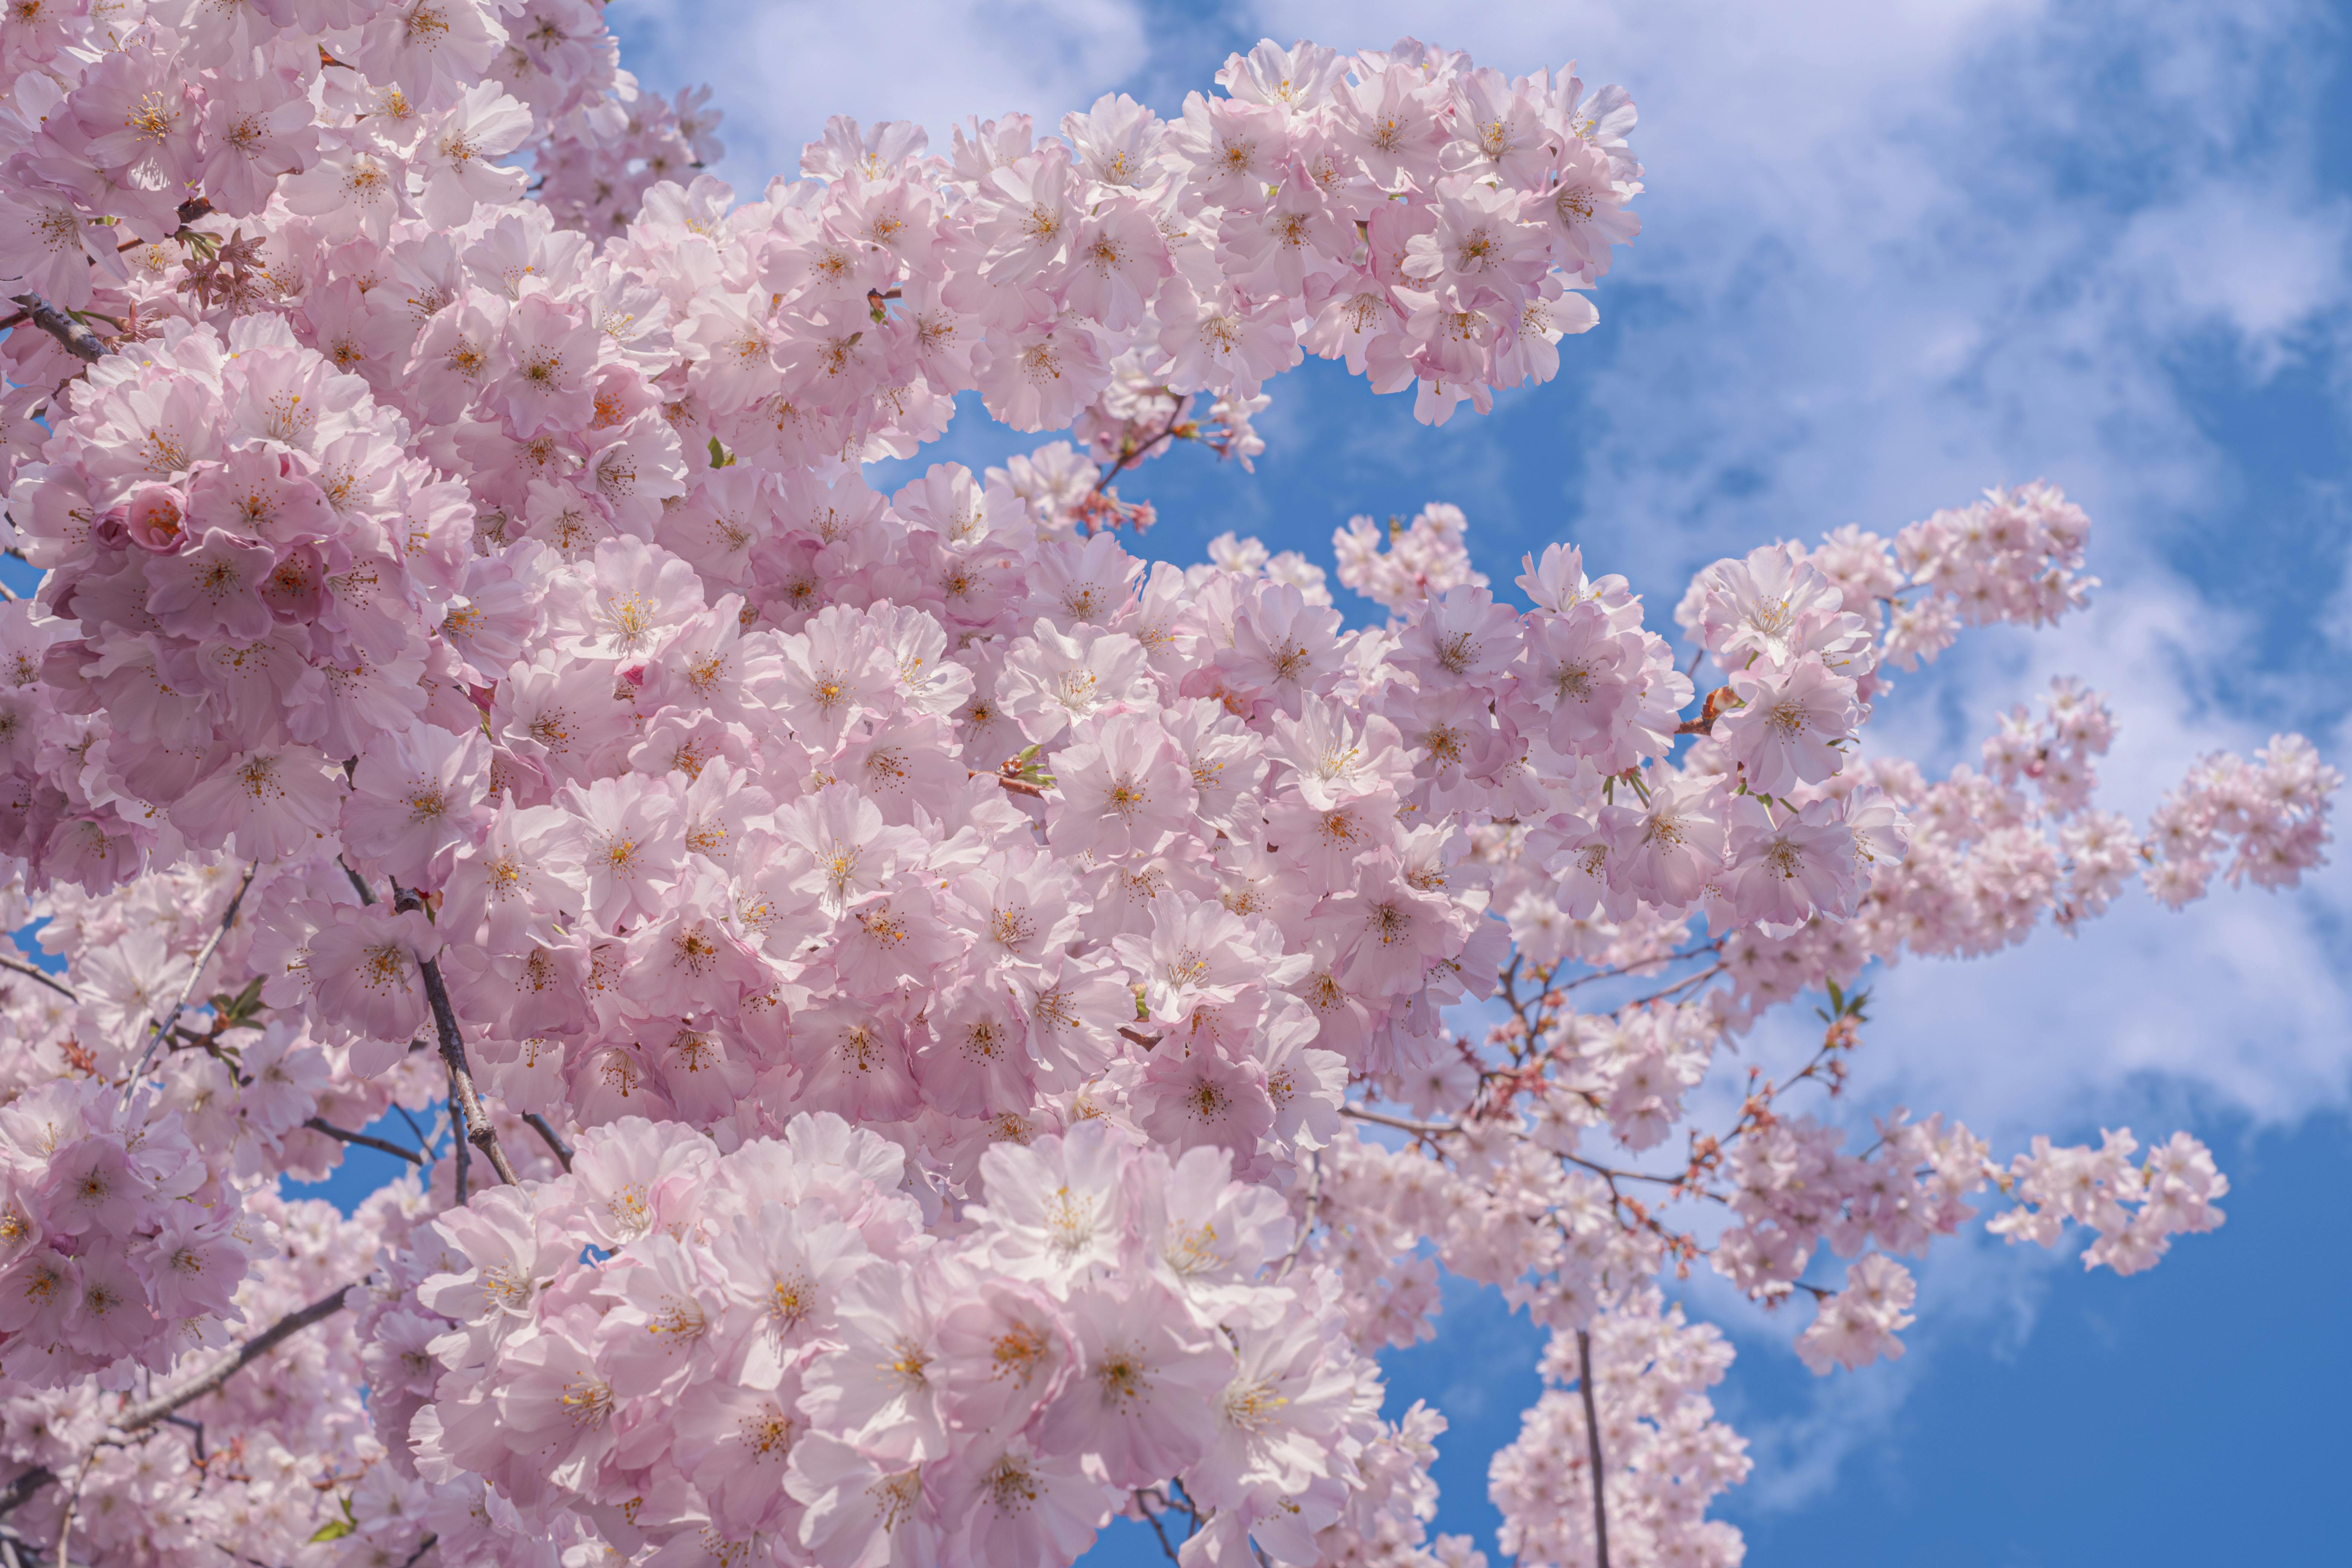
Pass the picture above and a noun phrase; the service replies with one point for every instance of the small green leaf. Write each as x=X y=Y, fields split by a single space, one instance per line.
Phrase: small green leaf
x=333 y=1529
x=721 y=457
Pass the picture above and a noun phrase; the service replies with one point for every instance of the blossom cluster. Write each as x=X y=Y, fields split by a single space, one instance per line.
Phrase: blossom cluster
x=1407 y=560
x=767 y=1345
x=118 y=1243
x=272 y=1460
x=1664 y=1455
x=914 y=1008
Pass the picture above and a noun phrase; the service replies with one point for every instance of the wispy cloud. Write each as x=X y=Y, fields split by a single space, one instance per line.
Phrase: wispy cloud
x=781 y=67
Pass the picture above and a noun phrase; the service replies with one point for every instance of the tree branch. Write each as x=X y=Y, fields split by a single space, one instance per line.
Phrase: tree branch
x=72 y=336
x=547 y=1133
x=139 y=1417
x=478 y=1129
x=1130 y=457
x=1592 y=1442
x=364 y=1139
x=23 y=1487
x=1401 y=1124
x=36 y=972
x=194 y=974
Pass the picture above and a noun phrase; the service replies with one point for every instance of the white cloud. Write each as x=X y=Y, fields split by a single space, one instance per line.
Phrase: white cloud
x=781 y=67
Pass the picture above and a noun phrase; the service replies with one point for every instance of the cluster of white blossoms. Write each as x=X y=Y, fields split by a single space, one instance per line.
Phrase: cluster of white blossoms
x=918 y=1030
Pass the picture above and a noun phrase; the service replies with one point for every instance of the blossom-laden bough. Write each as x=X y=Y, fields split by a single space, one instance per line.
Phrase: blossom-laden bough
x=910 y=1030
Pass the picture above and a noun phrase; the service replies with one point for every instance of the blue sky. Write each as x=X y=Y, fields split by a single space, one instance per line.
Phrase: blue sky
x=1896 y=250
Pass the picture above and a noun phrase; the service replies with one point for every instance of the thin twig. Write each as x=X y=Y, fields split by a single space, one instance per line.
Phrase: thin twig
x=194 y=974
x=1684 y=985
x=36 y=972
x=64 y=1552
x=547 y=1133
x=423 y=1547
x=1401 y=1124
x=1128 y=459
x=194 y=1426
x=1153 y=1518
x=364 y=1139
x=422 y=1141
x=1592 y=1441
x=1443 y=1129
x=1623 y=970
x=1307 y=1223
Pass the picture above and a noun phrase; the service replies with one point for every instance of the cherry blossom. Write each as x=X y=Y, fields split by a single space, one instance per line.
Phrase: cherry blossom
x=911 y=1029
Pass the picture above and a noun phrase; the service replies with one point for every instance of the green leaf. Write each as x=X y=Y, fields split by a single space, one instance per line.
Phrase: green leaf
x=242 y=1011
x=721 y=457
x=333 y=1529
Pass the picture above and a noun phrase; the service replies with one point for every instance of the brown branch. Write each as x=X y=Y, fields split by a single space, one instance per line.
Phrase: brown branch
x=72 y=336
x=139 y=1417
x=35 y=973
x=364 y=1139
x=1592 y=1441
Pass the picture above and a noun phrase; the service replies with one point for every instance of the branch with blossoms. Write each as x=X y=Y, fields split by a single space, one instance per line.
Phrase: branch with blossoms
x=957 y=1010
x=133 y=1420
